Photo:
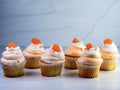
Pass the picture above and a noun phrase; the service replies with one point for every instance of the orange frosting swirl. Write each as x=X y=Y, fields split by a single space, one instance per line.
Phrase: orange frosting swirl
x=75 y=49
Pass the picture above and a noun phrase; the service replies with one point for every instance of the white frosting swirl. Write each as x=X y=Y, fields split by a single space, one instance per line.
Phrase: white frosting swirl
x=16 y=51
x=60 y=54
x=79 y=45
x=34 y=47
x=95 y=51
x=12 y=56
x=109 y=47
x=51 y=56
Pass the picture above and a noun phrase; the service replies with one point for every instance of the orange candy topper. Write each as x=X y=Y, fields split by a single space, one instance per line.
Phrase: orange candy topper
x=88 y=46
x=35 y=41
x=56 y=47
x=108 y=41
x=11 y=45
x=75 y=40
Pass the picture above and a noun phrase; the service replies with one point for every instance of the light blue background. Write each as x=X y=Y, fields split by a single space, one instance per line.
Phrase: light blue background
x=59 y=21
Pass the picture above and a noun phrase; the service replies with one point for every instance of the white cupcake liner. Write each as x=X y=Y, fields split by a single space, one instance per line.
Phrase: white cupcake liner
x=13 y=71
x=70 y=62
x=87 y=71
x=108 y=65
x=32 y=62
x=51 y=70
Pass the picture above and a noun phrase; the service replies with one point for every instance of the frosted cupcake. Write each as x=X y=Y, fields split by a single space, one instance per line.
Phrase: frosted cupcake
x=13 y=61
x=33 y=53
x=109 y=53
x=89 y=63
x=52 y=61
x=73 y=52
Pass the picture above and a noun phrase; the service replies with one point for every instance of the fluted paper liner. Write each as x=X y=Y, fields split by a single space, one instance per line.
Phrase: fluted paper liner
x=13 y=71
x=70 y=62
x=51 y=70
x=88 y=71
x=32 y=62
x=108 y=65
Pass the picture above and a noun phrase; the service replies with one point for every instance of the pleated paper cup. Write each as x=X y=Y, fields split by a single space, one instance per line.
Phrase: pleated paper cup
x=108 y=65
x=70 y=62
x=88 y=71
x=13 y=71
x=32 y=62
x=51 y=70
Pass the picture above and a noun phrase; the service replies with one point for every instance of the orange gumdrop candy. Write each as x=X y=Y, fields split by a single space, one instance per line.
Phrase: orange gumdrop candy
x=108 y=41
x=56 y=47
x=11 y=45
x=35 y=41
x=75 y=40
x=88 y=46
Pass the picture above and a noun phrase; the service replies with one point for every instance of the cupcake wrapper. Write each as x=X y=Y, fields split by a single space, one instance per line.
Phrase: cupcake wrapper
x=88 y=71
x=70 y=62
x=51 y=70
x=13 y=71
x=32 y=62
x=108 y=65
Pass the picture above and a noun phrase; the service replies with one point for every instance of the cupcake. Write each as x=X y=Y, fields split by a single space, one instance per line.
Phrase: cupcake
x=89 y=63
x=13 y=61
x=109 y=53
x=52 y=61
x=33 y=53
x=72 y=53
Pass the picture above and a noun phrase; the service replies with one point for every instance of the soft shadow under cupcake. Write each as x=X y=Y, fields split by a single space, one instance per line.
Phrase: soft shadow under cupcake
x=69 y=73
x=31 y=72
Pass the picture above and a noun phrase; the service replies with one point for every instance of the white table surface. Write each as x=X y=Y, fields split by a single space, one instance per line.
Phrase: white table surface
x=69 y=80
